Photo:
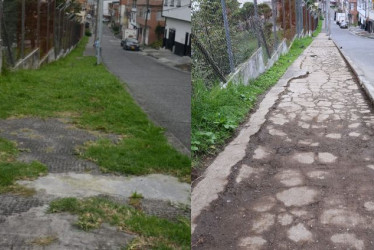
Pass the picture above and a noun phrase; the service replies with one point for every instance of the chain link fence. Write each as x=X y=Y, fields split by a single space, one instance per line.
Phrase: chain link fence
x=248 y=28
x=37 y=31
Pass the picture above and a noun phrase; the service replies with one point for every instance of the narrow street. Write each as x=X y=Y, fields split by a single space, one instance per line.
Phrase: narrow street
x=300 y=173
x=357 y=48
x=164 y=93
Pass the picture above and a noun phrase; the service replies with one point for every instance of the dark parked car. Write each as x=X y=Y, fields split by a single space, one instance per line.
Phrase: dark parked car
x=343 y=25
x=130 y=44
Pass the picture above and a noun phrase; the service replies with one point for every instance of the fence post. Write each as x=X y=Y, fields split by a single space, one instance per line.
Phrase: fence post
x=255 y=22
x=284 y=18
x=228 y=39
x=260 y=34
x=298 y=23
x=23 y=28
x=38 y=29
x=301 y=16
x=1 y=37
x=274 y=13
x=290 y=11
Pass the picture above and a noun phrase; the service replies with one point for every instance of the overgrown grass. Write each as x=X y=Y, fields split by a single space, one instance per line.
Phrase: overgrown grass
x=95 y=100
x=11 y=170
x=217 y=112
x=153 y=232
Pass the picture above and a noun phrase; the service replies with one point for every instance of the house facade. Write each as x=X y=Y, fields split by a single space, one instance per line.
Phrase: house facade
x=177 y=35
x=150 y=24
x=145 y=25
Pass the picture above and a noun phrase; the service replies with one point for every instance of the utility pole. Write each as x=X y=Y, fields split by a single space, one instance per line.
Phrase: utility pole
x=326 y=16
x=228 y=39
x=145 y=24
x=256 y=21
x=96 y=18
x=99 y=39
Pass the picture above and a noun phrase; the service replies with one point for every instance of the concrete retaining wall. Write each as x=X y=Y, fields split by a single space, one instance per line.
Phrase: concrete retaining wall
x=250 y=69
x=255 y=65
x=281 y=50
x=33 y=60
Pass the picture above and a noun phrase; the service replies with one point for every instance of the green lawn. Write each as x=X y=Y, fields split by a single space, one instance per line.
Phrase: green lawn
x=153 y=232
x=95 y=99
x=217 y=112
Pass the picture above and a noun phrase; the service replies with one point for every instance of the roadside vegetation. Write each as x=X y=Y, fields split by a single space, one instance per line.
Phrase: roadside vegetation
x=217 y=112
x=11 y=170
x=75 y=88
x=152 y=232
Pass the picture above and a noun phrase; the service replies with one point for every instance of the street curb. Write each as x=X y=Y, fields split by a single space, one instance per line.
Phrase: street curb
x=365 y=84
x=353 y=33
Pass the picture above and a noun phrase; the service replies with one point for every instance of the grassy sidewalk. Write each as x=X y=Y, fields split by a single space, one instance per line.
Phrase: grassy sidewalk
x=94 y=99
x=217 y=112
x=11 y=170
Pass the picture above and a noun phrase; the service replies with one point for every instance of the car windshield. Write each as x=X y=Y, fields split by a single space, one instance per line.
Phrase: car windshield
x=132 y=40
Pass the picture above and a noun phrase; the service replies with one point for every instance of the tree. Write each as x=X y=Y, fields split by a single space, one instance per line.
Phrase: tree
x=246 y=11
x=264 y=10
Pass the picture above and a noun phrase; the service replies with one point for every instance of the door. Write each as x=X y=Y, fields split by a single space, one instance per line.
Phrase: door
x=187 y=45
x=171 y=39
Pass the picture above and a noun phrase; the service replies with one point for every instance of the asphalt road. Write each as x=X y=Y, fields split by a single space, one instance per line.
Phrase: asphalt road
x=164 y=93
x=359 y=49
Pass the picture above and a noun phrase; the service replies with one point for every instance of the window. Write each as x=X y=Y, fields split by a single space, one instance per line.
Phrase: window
x=179 y=3
x=159 y=16
x=134 y=4
x=171 y=3
x=165 y=2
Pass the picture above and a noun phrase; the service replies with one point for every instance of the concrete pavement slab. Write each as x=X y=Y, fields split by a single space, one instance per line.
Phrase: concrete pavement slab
x=315 y=187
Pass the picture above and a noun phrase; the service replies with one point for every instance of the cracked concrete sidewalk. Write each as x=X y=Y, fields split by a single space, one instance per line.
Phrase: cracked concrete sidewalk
x=300 y=173
x=53 y=142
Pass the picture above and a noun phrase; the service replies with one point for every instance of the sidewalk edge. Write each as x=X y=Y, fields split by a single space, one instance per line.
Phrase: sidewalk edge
x=369 y=89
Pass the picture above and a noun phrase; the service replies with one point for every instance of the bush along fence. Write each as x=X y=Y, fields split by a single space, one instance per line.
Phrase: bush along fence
x=34 y=32
x=228 y=38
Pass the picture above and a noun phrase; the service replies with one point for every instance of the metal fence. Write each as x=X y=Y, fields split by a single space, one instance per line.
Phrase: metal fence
x=37 y=29
x=226 y=34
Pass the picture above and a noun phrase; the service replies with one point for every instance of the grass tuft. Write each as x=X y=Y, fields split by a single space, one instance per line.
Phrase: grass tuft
x=45 y=241
x=11 y=170
x=153 y=232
